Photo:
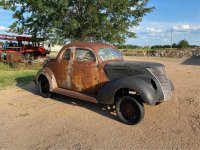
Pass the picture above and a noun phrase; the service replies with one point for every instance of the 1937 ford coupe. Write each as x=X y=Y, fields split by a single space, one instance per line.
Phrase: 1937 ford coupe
x=97 y=73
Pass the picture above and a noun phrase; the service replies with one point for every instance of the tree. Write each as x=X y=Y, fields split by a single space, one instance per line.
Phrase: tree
x=166 y=46
x=156 y=46
x=183 y=44
x=174 y=45
x=77 y=20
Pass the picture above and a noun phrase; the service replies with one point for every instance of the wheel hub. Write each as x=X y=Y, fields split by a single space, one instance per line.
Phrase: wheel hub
x=128 y=109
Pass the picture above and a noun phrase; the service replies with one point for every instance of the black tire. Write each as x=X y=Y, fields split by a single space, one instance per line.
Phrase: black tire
x=44 y=87
x=129 y=110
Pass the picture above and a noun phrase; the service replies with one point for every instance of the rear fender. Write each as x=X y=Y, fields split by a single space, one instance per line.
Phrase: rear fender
x=50 y=77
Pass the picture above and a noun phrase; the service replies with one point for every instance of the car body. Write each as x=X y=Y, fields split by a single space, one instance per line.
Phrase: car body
x=97 y=72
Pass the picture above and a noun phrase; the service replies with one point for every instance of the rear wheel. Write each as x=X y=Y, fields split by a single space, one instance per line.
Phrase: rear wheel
x=129 y=110
x=44 y=87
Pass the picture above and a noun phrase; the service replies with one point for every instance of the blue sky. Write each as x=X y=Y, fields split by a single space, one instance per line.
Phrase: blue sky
x=181 y=18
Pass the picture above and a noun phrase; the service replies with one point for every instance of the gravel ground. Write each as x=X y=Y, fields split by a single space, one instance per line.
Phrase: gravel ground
x=29 y=121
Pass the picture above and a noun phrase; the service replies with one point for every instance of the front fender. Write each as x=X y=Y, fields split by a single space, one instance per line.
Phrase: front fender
x=50 y=77
x=140 y=85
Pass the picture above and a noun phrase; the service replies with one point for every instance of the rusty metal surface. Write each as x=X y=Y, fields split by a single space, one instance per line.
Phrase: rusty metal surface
x=15 y=44
x=15 y=37
x=10 y=56
x=80 y=76
x=59 y=69
x=74 y=94
x=85 y=77
x=91 y=45
x=47 y=72
x=88 y=45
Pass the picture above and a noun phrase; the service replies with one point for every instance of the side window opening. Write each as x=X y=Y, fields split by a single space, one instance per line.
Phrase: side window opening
x=67 y=54
x=84 y=55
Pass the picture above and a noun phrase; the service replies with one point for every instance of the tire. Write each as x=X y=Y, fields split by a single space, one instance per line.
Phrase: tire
x=129 y=110
x=44 y=87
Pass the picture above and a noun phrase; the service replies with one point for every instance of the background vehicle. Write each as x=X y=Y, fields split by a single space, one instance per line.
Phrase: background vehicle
x=16 y=48
x=97 y=73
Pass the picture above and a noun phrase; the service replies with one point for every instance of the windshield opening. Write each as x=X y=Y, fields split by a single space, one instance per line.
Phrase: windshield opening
x=109 y=54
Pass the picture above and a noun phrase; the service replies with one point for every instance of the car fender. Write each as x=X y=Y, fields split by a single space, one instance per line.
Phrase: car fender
x=47 y=72
x=146 y=91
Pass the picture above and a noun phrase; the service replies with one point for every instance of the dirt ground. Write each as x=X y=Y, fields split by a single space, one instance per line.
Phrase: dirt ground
x=28 y=121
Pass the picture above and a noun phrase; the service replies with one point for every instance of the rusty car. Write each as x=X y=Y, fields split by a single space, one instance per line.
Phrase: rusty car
x=97 y=73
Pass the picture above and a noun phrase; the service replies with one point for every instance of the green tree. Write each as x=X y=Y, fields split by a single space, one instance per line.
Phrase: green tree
x=183 y=44
x=77 y=20
x=174 y=45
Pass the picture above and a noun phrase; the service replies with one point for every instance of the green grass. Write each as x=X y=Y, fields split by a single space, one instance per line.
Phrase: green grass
x=9 y=76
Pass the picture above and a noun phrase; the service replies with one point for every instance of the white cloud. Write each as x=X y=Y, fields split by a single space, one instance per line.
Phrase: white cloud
x=146 y=30
x=160 y=33
x=2 y=28
x=183 y=27
x=165 y=40
x=195 y=29
x=152 y=30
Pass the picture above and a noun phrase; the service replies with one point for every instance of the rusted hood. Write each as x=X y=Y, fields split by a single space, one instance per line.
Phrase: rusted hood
x=131 y=64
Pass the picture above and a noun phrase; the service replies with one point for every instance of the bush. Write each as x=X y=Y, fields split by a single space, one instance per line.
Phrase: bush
x=183 y=44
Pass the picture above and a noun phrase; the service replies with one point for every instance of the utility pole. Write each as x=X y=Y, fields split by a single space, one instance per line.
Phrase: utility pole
x=171 y=37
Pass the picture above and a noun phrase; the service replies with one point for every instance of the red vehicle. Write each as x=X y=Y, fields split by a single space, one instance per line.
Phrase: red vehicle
x=18 y=47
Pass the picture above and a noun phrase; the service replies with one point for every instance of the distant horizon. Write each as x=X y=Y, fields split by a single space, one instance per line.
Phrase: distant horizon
x=14 y=34
x=171 y=22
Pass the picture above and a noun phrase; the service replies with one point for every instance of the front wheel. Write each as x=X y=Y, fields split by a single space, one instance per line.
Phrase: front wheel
x=44 y=87
x=129 y=110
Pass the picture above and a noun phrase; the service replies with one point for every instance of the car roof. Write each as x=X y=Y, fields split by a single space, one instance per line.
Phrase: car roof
x=91 y=45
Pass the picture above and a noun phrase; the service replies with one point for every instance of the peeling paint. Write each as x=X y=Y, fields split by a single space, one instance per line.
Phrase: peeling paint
x=86 y=76
x=68 y=71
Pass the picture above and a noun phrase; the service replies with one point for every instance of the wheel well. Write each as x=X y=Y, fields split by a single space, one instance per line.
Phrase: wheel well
x=128 y=92
x=41 y=77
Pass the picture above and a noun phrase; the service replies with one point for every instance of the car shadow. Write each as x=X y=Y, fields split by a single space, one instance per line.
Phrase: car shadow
x=101 y=109
x=28 y=86
x=192 y=61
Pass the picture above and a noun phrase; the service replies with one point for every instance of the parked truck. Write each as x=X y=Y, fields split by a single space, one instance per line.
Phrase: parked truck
x=16 y=48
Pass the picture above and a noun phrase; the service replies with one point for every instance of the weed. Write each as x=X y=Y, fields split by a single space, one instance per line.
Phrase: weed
x=24 y=115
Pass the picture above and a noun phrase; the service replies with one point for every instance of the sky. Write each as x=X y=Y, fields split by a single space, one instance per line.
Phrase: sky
x=170 y=22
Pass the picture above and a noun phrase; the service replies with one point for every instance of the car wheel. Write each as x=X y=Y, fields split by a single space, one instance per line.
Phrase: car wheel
x=44 y=87
x=129 y=110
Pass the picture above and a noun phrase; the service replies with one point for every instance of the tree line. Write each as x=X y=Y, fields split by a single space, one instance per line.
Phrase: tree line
x=180 y=45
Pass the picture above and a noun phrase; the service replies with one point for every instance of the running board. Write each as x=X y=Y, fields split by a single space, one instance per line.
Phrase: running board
x=75 y=95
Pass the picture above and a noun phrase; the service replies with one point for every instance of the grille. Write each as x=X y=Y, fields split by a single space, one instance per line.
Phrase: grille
x=163 y=80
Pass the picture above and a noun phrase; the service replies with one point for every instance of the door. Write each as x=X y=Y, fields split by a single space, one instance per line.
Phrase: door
x=85 y=71
x=63 y=68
